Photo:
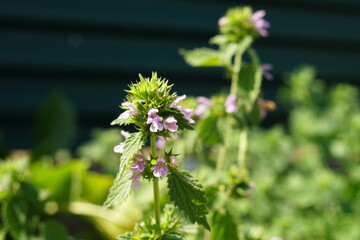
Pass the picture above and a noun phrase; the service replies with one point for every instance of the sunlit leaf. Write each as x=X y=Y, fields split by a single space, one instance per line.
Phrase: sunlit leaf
x=189 y=196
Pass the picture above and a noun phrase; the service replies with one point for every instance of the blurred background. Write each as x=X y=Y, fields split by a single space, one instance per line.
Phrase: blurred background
x=78 y=56
x=64 y=66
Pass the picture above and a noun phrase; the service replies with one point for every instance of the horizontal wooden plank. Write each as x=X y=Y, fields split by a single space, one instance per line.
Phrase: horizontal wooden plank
x=39 y=50
x=180 y=15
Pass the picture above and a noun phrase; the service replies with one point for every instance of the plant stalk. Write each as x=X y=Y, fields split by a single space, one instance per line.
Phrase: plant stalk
x=233 y=91
x=243 y=146
x=235 y=73
x=156 y=188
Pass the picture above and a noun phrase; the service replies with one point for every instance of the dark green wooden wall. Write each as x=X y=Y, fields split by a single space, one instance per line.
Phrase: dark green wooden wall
x=91 y=49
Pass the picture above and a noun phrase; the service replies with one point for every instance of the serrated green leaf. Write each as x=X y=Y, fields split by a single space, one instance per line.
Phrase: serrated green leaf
x=53 y=230
x=126 y=236
x=172 y=236
x=121 y=122
x=31 y=194
x=181 y=121
x=14 y=214
x=131 y=146
x=120 y=190
x=189 y=196
x=223 y=226
x=202 y=57
x=208 y=130
x=250 y=83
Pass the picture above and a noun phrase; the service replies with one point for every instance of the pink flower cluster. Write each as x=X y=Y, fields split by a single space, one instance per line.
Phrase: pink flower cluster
x=120 y=147
x=204 y=103
x=257 y=20
x=185 y=111
x=260 y=24
x=132 y=110
x=137 y=168
x=230 y=104
x=160 y=169
x=157 y=124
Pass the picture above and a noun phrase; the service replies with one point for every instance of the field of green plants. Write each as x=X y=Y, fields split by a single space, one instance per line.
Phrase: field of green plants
x=196 y=167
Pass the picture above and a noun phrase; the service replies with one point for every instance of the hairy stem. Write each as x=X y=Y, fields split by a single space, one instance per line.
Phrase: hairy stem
x=156 y=187
x=243 y=146
x=235 y=72
x=224 y=148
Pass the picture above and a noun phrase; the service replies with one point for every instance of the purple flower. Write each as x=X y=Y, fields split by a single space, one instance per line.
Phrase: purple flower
x=135 y=179
x=230 y=104
x=265 y=68
x=125 y=134
x=160 y=142
x=138 y=164
x=137 y=168
x=154 y=120
x=204 y=103
x=170 y=124
x=185 y=111
x=160 y=169
x=260 y=23
x=223 y=21
x=175 y=103
x=120 y=147
x=132 y=110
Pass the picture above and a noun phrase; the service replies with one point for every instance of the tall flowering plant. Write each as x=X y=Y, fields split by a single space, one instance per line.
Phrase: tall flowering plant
x=242 y=105
x=223 y=122
x=156 y=113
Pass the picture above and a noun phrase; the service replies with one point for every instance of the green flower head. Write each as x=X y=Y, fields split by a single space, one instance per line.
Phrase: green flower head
x=152 y=108
x=242 y=21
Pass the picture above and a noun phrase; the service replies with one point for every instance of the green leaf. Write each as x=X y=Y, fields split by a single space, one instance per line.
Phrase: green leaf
x=172 y=236
x=14 y=214
x=55 y=125
x=250 y=83
x=223 y=226
x=2 y=233
x=121 y=188
x=31 y=194
x=202 y=57
x=121 y=122
x=53 y=230
x=126 y=236
x=208 y=130
x=181 y=121
x=189 y=196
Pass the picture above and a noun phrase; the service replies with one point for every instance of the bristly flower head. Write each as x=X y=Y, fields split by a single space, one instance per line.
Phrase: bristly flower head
x=151 y=107
x=242 y=21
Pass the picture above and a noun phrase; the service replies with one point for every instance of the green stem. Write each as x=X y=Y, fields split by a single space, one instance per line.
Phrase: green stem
x=243 y=146
x=156 y=188
x=221 y=158
x=235 y=73
x=223 y=149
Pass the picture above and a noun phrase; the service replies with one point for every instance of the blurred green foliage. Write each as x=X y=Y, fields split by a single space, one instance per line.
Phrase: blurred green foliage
x=303 y=180
x=306 y=174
